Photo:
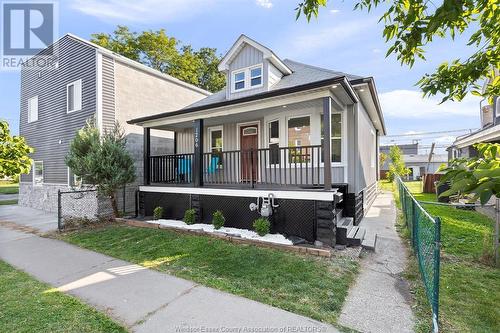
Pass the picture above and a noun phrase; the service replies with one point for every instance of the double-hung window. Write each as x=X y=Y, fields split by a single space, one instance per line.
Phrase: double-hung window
x=335 y=136
x=74 y=96
x=33 y=109
x=216 y=145
x=274 y=141
x=239 y=81
x=38 y=173
x=247 y=78
x=256 y=76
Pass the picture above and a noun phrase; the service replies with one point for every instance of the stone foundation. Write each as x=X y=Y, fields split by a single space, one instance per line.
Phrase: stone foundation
x=43 y=197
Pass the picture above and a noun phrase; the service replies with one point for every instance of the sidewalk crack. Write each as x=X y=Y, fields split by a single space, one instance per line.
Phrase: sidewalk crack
x=163 y=306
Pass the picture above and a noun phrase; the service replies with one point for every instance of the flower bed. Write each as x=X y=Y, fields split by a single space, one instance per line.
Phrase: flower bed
x=233 y=232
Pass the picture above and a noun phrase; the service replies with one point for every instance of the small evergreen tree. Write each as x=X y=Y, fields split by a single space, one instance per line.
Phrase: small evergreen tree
x=102 y=160
x=397 y=164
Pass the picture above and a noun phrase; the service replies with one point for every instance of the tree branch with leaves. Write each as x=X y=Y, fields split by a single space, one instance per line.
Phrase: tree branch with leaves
x=14 y=153
x=412 y=25
x=166 y=54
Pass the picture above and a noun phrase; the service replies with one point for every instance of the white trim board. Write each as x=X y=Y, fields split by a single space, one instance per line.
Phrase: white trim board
x=298 y=195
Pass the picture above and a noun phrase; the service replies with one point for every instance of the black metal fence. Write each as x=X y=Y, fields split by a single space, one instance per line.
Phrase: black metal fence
x=76 y=207
x=425 y=233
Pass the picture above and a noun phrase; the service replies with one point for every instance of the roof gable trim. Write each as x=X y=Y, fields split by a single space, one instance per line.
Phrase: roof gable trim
x=268 y=55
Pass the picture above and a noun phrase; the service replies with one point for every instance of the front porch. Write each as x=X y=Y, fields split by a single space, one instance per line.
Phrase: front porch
x=301 y=146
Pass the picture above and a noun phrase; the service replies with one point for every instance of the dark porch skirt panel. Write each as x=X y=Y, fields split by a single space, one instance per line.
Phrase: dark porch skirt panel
x=174 y=205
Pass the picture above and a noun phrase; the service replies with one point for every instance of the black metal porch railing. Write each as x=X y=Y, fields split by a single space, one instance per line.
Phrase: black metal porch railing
x=277 y=166
x=171 y=169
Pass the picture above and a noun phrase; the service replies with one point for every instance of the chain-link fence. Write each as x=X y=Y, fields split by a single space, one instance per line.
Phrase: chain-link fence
x=425 y=233
x=77 y=207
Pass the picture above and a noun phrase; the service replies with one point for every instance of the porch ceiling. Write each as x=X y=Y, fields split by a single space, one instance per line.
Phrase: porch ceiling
x=251 y=111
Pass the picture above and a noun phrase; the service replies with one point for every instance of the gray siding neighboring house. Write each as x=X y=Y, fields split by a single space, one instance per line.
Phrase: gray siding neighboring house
x=113 y=88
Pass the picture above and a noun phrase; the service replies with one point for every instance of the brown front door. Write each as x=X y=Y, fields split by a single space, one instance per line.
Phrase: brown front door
x=249 y=143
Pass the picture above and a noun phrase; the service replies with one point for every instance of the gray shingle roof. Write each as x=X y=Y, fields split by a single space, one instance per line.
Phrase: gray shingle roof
x=302 y=74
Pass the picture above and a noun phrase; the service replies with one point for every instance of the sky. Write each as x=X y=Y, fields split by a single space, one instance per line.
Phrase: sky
x=340 y=39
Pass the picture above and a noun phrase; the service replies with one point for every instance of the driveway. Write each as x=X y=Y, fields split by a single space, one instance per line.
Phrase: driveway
x=39 y=220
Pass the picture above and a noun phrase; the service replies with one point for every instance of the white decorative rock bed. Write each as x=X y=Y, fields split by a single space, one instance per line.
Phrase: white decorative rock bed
x=233 y=232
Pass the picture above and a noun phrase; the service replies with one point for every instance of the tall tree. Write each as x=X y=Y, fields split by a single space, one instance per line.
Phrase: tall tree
x=411 y=25
x=14 y=158
x=397 y=165
x=102 y=160
x=164 y=53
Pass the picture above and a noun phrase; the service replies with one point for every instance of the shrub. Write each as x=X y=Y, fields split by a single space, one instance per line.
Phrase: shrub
x=190 y=216
x=262 y=226
x=158 y=213
x=218 y=219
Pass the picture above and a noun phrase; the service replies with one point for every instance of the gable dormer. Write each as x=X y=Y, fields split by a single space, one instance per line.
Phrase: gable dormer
x=251 y=68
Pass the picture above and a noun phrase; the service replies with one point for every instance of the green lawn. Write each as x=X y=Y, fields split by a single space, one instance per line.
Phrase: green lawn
x=9 y=188
x=27 y=306
x=311 y=286
x=469 y=288
x=8 y=202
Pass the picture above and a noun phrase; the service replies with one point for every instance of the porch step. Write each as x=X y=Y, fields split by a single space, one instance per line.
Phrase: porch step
x=369 y=242
x=344 y=226
x=356 y=236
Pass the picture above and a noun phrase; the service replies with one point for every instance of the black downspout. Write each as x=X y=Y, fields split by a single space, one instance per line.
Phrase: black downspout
x=147 y=151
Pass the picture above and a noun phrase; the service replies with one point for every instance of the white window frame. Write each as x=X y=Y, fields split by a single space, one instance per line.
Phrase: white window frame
x=77 y=96
x=35 y=183
x=268 y=139
x=247 y=79
x=72 y=182
x=343 y=143
x=214 y=129
x=311 y=143
x=33 y=99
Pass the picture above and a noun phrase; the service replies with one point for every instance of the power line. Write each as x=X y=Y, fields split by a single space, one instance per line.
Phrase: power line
x=431 y=133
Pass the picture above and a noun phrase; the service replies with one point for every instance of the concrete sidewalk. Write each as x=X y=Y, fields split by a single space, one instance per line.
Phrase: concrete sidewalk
x=39 y=220
x=142 y=299
x=380 y=300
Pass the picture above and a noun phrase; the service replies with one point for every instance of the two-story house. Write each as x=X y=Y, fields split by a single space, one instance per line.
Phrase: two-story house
x=90 y=81
x=298 y=142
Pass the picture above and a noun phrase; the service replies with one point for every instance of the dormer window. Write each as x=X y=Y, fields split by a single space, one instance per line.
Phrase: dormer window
x=256 y=76
x=239 y=81
x=247 y=78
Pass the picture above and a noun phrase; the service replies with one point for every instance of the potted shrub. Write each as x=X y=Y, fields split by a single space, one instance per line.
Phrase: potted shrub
x=262 y=226
x=218 y=219
x=158 y=213
x=190 y=216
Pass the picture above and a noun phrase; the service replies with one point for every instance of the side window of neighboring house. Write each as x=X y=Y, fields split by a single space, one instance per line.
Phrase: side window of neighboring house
x=38 y=173
x=33 y=109
x=74 y=96
x=74 y=180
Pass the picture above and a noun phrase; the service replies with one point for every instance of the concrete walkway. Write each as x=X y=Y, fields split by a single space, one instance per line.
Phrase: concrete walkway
x=28 y=217
x=142 y=299
x=380 y=300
